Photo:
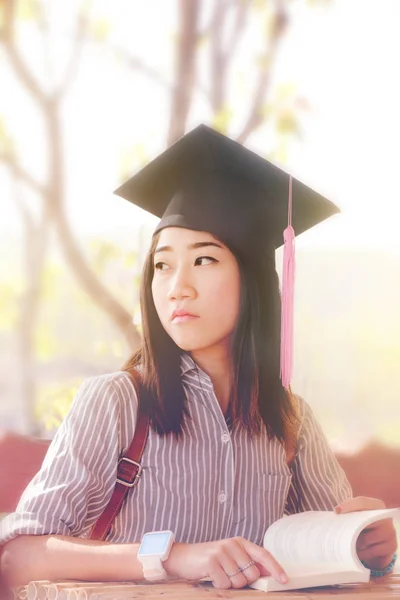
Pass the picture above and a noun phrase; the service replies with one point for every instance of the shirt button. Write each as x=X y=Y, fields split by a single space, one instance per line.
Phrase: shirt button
x=222 y=497
x=225 y=437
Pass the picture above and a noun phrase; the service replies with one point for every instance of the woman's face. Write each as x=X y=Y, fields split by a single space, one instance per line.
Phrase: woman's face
x=196 y=288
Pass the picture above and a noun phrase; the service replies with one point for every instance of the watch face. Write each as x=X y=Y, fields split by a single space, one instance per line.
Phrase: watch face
x=154 y=543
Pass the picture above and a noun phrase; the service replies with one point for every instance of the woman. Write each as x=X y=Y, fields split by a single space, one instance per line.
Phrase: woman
x=214 y=466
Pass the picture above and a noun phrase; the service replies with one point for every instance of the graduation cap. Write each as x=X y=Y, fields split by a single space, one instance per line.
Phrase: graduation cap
x=208 y=182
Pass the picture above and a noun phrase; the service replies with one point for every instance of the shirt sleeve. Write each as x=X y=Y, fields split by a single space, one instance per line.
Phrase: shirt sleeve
x=78 y=473
x=318 y=482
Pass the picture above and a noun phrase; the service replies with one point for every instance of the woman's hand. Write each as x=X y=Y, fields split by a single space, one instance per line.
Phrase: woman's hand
x=377 y=543
x=221 y=561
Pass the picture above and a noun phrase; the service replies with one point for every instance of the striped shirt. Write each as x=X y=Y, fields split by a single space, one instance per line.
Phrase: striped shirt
x=215 y=482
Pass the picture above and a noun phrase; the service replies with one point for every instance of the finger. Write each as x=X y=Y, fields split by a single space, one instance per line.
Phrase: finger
x=382 y=551
x=231 y=567
x=359 y=503
x=250 y=571
x=369 y=537
x=266 y=563
x=387 y=523
x=218 y=576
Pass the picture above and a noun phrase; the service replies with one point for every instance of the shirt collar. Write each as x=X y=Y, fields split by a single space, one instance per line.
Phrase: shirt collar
x=187 y=364
x=190 y=367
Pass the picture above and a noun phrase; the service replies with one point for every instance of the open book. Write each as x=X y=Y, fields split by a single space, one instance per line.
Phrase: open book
x=318 y=548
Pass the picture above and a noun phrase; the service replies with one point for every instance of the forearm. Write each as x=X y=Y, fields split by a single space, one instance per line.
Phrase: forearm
x=35 y=558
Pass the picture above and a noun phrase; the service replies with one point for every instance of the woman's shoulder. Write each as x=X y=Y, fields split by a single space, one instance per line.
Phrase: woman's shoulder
x=309 y=427
x=300 y=405
x=108 y=389
x=108 y=398
x=111 y=379
x=303 y=412
x=304 y=408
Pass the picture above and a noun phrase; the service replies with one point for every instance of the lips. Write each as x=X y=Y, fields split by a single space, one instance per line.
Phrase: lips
x=182 y=315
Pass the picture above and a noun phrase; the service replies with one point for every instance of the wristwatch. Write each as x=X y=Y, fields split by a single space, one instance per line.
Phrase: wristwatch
x=153 y=551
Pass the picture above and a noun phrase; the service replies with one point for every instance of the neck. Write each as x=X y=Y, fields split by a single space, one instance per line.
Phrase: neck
x=216 y=363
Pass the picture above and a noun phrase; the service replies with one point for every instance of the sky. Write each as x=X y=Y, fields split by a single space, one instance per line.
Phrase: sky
x=343 y=59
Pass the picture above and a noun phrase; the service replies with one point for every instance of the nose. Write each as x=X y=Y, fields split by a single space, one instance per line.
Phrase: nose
x=181 y=285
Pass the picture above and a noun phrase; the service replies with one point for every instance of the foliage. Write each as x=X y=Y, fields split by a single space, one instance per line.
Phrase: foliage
x=9 y=292
x=54 y=402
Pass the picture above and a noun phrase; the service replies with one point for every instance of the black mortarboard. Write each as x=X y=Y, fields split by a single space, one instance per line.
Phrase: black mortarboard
x=208 y=182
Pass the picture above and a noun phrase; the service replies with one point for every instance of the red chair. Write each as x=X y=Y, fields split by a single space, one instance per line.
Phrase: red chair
x=20 y=459
x=374 y=472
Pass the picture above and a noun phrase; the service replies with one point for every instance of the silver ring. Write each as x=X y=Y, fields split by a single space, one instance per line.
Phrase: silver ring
x=235 y=573
x=250 y=564
x=241 y=569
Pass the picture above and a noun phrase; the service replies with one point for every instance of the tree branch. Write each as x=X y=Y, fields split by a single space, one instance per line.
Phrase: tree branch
x=88 y=280
x=35 y=245
x=153 y=74
x=135 y=63
x=218 y=56
x=53 y=193
x=222 y=54
x=43 y=26
x=98 y=293
x=256 y=117
x=23 y=209
x=140 y=65
x=15 y=59
x=185 y=72
x=207 y=30
x=242 y=9
x=80 y=37
x=23 y=175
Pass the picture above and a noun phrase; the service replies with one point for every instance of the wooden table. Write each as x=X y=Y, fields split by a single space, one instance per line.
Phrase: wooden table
x=376 y=589
x=386 y=587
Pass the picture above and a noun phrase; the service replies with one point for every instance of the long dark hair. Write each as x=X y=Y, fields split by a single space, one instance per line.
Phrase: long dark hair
x=257 y=397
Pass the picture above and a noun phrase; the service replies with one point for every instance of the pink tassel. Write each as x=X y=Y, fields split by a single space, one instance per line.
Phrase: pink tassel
x=287 y=298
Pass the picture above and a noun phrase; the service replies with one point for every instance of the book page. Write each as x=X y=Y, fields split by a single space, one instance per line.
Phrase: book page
x=308 y=580
x=321 y=539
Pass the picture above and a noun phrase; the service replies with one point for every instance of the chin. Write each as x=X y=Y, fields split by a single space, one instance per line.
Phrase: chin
x=189 y=345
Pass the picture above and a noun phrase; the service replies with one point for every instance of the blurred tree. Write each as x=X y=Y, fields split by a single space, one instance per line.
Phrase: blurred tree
x=35 y=243
x=220 y=36
x=52 y=192
x=28 y=297
x=223 y=42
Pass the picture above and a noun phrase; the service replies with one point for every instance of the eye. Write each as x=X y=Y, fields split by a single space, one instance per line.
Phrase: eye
x=209 y=260
x=161 y=266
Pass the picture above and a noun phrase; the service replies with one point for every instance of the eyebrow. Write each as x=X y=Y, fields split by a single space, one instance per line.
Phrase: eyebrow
x=190 y=247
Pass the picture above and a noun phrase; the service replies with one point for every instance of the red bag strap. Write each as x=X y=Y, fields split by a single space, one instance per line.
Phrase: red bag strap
x=129 y=471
